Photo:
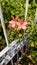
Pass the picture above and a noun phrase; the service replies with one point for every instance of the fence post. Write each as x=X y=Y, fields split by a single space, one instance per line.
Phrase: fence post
x=3 y=25
x=26 y=10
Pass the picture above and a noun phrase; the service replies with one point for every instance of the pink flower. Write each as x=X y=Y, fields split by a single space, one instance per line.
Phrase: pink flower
x=22 y=24
x=14 y=18
x=13 y=22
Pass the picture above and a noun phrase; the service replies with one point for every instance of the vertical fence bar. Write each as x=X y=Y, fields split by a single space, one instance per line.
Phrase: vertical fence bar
x=35 y=19
x=17 y=58
x=3 y=25
x=26 y=10
x=12 y=61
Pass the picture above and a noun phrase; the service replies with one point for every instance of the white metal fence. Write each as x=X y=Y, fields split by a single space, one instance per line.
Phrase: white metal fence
x=12 y=49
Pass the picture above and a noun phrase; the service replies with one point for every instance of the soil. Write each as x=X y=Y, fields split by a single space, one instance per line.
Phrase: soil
x=24 y=61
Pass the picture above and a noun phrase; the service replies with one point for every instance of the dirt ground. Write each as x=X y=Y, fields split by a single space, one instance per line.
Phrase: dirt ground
x=24 y=61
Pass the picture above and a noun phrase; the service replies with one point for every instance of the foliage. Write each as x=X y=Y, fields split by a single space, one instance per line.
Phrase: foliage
x=17 y=8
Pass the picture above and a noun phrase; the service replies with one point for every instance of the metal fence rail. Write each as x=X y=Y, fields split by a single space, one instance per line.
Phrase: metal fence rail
x=12 y=51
